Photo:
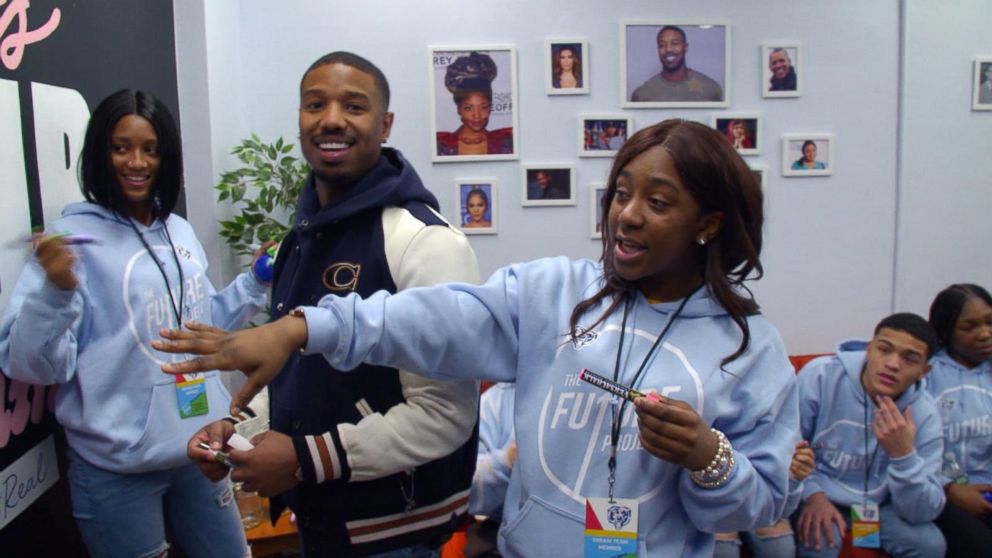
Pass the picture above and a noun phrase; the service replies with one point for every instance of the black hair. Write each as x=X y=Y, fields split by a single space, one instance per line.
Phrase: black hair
x=96 y=174
x=946 y=309
x=915 y=326
x=719 y=181
x=671 y=28
x=355 y=61
x=460 y=95
x=472 y=73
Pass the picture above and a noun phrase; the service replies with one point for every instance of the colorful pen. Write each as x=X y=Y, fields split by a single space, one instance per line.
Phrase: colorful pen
x=619 y=390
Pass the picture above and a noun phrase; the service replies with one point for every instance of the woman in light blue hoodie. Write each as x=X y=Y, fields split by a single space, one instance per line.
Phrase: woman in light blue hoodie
x=961 y=381
x=664 y=310
x=106 y=277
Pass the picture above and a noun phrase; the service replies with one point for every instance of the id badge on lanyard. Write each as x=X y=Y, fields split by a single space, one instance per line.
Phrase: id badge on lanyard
x=866 y=526
x=611 y=528
x=191 y=395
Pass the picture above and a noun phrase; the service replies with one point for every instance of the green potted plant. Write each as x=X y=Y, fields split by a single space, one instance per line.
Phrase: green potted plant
x=263 y=192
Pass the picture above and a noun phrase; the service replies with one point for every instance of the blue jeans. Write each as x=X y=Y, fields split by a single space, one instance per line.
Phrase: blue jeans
x=899 y=538
x=775 y=546
x=125 y=514
x=770 y=546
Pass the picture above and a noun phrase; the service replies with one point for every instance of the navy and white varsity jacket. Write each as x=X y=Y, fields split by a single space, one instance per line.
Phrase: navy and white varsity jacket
x=387 y=457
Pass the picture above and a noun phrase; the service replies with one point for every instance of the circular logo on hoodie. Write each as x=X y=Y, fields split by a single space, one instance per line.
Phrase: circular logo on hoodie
x=575 y=420
x=148 y=304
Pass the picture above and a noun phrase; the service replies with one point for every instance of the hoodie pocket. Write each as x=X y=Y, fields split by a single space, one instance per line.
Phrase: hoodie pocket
x=164 y=433
x=541 y=529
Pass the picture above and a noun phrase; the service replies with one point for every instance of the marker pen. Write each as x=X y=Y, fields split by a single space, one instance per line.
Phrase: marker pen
x=619 y=390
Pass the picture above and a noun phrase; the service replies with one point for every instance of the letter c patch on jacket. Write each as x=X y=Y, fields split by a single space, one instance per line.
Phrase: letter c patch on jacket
x=342 y=276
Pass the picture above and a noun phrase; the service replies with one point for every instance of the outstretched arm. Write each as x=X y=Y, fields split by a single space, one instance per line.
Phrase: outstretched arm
x=258 y=352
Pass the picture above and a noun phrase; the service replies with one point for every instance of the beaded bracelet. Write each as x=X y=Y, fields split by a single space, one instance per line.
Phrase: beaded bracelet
x=718 y=471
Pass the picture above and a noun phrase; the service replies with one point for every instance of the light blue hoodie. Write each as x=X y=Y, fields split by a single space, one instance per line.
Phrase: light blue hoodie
x=118 y=408
x=832 y=407
x=515 y=329
x=492 y=468
x=964 y=401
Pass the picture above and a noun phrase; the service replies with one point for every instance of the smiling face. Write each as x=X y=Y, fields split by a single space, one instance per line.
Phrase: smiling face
x=894 y=361
x=135 y=158
x=778 y=63
x=476 y=206
x=671 y=50
x=971 y=339
x=343 y=123
x=474 y=111
x=809 y=152
x=654 y=223
x=739 y=130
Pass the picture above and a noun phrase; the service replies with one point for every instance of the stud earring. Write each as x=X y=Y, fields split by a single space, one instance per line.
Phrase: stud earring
x=701 y=241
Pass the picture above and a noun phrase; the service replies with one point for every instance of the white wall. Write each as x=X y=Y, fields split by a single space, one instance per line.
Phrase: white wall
x=945 y=196
x=830 y=250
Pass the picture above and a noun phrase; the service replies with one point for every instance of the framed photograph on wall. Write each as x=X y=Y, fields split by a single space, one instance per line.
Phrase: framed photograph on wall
x=741 y=130
x=671 y=63
x=982 y=99
x=781 y=70
x=566 y=65
x=473 y=98
x=596 y=194
x=477 y=205
x=548 y=184
x=807 y=155
x=601 y=135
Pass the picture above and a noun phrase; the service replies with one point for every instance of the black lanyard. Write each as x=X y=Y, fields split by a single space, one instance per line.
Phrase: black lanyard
x=869 y=460
x=161 y=269
x=619 y=409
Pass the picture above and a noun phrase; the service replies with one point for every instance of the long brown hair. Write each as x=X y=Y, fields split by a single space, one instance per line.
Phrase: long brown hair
x=557 y=70
x=718 y=180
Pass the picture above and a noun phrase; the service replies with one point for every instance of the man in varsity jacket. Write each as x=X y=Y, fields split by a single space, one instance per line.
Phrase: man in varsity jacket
x=381 y=460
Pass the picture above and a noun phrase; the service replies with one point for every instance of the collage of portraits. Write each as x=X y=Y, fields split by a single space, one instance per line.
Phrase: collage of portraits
x=475 y=106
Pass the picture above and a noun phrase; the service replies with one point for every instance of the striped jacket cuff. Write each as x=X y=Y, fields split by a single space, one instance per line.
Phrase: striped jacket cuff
x=322 y=457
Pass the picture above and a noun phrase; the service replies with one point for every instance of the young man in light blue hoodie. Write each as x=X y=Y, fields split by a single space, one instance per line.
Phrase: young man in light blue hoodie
x=877 y=437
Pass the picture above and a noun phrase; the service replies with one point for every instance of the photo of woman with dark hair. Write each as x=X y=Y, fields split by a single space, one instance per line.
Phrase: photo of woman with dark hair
x=566 y=66
x=741 y=131
x=469 y=80
x=738 y=135
x=808 y=160
x=476 y=209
